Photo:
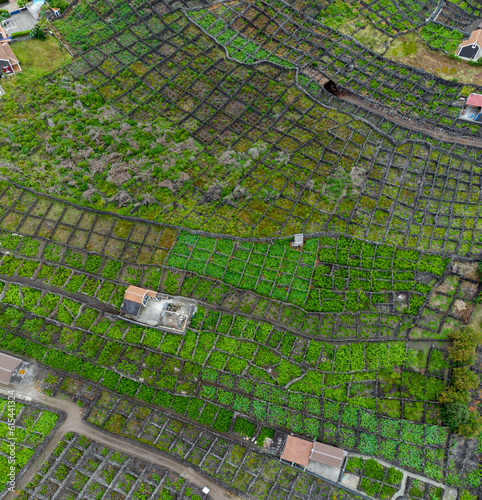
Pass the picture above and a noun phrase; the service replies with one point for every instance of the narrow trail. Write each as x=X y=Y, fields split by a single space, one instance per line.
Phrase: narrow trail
x=75 y=423
x=408 y=123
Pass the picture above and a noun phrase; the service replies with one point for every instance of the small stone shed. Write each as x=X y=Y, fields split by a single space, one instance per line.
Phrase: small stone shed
x=471 y=49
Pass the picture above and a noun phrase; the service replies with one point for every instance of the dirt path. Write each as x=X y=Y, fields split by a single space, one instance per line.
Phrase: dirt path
x=409 y=123
x=74 y=423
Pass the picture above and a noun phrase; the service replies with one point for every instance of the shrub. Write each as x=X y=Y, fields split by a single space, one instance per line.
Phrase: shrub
x=38 y=32
x=244 y=427
x=463 y=379
x=20 y=34
x=454 y=414
x=111 y=269
x=394 y=476
x=374 y=470
x=465 y=343
x=266 y=432
x=472 y=427
x=92 y=263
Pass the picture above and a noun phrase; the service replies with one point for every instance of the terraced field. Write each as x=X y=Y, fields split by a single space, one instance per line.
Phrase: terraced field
x=181 y=151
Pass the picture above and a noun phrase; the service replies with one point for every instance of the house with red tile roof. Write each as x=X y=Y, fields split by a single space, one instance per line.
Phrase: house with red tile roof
x=9 y=64
x=471 y=49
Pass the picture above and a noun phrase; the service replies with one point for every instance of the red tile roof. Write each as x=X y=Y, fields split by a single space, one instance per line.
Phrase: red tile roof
x=475 y=37
x=297 y=450
x=475 y=99
x=135 y=294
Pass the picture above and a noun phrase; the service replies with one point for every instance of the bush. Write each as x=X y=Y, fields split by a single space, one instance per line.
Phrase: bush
x=472 y=427
x=374 y=470
x=58 y=4
x=463 y=379
x=454 y=415
x=465 y=343
x=170 y=283
x=266 y=432
x=37 y=32
x=394 y=476
x=244 y=427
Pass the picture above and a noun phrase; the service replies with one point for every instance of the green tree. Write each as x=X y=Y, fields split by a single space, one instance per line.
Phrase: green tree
x=37 y=32
x=471 y=428
x=464 y=379
x=465 y=343
x=455 y=415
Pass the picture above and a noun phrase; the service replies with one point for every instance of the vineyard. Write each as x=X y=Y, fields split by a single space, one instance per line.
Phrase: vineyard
x=32 y=428
x=181 y=151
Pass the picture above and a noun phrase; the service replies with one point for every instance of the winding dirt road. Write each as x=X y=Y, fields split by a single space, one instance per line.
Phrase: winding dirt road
x=74 y=423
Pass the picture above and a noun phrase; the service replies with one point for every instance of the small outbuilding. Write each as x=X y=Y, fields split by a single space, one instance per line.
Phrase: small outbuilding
x=327 y=455
x=472 y=108
x=8 y=367
x=134 y=298
x=297 y=451
x=298 y=241
x=9 y=64
x=470 y=49
x=157 y=309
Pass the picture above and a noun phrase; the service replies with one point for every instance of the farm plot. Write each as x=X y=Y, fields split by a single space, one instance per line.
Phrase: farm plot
x=438 y=317
x=241 y=367
x=390 y=16
x=472 y=9
x=364 y=270
x=319 y=51
x=31 y=430
x=235 y=465
x=51 y=224
x=184 y=440
x=348 y=170
x=452 y=15
x=82 y=468
x=377 y=481
x=441 y=37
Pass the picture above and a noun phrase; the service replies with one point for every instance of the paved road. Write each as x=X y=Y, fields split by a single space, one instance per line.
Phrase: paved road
x=74 y=423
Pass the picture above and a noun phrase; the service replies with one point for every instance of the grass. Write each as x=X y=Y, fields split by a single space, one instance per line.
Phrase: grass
x=37 y=58
x=412 y=50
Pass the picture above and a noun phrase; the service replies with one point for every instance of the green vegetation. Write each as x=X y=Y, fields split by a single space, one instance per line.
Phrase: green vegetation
x=32 y=426
x=351 y=275
x=455 y=398
x=37 y=58
x=440 y=37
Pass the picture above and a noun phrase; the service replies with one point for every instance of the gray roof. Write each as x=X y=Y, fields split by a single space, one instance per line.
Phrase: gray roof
x=130 y=307
x=7 y=366
x=326 y=454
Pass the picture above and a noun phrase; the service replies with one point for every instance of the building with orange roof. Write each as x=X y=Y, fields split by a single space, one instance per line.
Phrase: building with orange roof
x=9 y=64
x=470 y=49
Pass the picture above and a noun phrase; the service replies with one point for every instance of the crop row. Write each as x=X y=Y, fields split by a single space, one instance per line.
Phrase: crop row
x=304 y=42
x=100 y=276
x=288 y=274
x=163 y=389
